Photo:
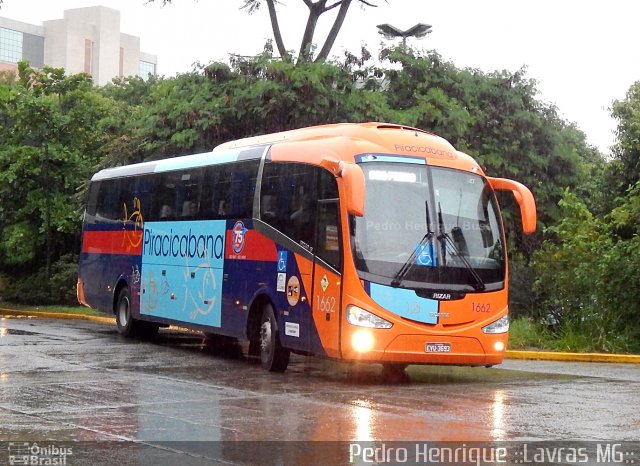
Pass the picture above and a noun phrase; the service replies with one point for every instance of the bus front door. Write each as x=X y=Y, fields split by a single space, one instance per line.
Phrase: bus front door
x=327 y=281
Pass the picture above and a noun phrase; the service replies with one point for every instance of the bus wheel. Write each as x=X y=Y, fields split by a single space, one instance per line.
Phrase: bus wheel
x=273 y=356
x=394 y=373
x=126 y=323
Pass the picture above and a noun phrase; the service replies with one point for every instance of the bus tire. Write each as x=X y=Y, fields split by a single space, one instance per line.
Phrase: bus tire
x=273 y=356
x=394 y=373
x=126 y=323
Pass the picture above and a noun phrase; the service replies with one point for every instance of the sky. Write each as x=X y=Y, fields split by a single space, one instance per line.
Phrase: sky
x=583 y=54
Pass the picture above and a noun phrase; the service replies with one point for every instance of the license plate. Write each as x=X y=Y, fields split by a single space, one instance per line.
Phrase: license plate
x=437 y=347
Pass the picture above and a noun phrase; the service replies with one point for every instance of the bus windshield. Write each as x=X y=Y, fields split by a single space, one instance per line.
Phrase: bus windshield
x=428 y=228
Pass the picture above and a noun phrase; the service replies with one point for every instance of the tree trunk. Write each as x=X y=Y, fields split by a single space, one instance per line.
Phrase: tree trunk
x=335 y=29
x=315 y=10
x=275 y=27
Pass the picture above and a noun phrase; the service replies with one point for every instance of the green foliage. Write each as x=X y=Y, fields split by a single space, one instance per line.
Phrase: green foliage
x=626 y=172
x=588 y=273
x=196 y=111
x=587 y=277
x=40 y=287
x=50 y=142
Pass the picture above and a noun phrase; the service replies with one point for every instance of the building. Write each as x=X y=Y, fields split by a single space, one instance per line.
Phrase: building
x=85 y=40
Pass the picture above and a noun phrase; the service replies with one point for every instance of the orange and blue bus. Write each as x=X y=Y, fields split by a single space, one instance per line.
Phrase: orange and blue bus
x=364 y=242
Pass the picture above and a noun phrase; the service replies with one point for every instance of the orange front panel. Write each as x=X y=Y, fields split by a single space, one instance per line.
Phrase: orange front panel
x=459 y=323
x=474 y=308
x=305 y=266
x=326 y=309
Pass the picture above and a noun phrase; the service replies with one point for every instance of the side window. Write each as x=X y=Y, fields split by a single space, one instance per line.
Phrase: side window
x=166 y=208
x=329 y=242
x=92 y=203
x=188 y=194
x=114 y=199
x=144 y=190
x=301 y=201
x=108 y=207
x=179 y=195
x=228 y=190
x=288 y=200
x=243 y=188
x=126 y=199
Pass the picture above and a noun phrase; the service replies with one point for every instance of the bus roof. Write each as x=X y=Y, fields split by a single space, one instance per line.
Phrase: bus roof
x=318 y=145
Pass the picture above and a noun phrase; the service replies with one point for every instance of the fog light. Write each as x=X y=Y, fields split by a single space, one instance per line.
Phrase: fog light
x=498 y=346
x=362 y=341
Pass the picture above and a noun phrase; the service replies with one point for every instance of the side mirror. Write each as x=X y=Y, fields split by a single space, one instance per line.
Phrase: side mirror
x=354 y=182
x=524 y=198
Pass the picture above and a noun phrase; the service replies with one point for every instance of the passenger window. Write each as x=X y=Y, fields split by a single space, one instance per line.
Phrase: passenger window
x=301 y=201
x=92 y=202
x=229 y=189
x=145 y=191
x=288 y=200
x=108 y=207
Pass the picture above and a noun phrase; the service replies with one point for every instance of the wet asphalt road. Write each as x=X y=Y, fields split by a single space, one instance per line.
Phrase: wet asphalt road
x=173 y=400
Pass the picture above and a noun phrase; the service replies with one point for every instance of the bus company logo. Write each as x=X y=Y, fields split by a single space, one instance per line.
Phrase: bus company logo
x=182 y=244
x=238 y=236
x=426 y=150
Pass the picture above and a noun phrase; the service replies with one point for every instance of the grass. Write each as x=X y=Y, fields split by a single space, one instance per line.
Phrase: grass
x=54 y=308
x=524 y=334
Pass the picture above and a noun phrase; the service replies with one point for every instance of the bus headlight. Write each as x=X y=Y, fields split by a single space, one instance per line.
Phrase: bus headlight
x=499 y=326
x=361 y=318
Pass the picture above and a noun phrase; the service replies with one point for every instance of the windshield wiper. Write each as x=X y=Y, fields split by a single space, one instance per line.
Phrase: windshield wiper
x=411 y=261
x=446 y=239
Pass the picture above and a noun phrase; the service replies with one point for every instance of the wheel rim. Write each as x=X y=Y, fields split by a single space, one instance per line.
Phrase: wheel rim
x=123 y=313
x=265 y=339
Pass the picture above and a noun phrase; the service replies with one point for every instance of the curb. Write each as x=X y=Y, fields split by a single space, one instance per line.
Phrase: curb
x=573 y=357
x=510 y=354
x=56 y=315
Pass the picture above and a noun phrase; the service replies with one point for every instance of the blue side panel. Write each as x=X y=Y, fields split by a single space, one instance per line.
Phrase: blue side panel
x=190 y=272
x=405 y=303
x=104 y=271
x=182 y=266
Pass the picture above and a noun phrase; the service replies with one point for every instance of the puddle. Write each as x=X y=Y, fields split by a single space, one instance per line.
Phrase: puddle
x=13 y=331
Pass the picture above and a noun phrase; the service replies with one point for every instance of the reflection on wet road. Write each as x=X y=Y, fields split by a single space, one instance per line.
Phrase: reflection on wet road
x=80 y=381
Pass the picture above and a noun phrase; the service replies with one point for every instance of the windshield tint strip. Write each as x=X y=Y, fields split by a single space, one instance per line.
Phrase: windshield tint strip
x=390 y=158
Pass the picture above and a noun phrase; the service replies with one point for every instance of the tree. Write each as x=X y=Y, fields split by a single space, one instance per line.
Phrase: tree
x=495 y=117
x=588 y=274
x=50 y=140
x=316 y=10
x=625 y=171
x=195 y=111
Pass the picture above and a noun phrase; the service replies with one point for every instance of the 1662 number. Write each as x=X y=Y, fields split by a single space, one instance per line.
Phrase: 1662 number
x=481 y=307
x=326 y=303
